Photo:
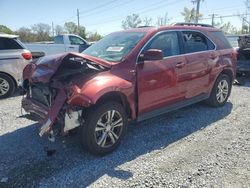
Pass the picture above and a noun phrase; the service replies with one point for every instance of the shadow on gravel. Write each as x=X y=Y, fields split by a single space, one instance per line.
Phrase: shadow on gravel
x=25 y=163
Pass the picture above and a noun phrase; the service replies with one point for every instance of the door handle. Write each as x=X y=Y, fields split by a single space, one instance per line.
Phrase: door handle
x=180 y=65
x=71 y=47
x=213 y=56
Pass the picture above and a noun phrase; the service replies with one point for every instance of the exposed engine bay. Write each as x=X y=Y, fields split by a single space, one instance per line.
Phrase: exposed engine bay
x=47 y=85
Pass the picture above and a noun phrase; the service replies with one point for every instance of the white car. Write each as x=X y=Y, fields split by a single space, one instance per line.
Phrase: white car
x=13 y=58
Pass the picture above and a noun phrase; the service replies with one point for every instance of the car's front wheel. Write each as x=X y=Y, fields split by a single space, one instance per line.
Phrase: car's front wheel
x=7 y=86
x=221 y=91
x=104 y=127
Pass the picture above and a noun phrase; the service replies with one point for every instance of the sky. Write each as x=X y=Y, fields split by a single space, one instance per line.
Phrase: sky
x=105 y=16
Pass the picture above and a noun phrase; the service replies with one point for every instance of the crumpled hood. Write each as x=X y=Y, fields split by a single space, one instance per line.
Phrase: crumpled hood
x=45 y=67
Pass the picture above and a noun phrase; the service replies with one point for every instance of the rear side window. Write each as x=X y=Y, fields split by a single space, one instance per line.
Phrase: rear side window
x=196 y=42
x=58 y=39
x=9 y=44
x=221 y=39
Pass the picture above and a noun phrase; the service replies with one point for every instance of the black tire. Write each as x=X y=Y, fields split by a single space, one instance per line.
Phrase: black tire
x=90 y=135
x=215 y=101
x=7 y=86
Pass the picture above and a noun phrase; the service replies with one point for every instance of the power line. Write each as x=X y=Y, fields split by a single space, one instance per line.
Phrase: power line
x=108 y=9
x=226 y=16
x=138 y=11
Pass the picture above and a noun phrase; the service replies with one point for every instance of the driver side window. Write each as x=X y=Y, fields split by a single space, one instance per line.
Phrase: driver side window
x=167 y=42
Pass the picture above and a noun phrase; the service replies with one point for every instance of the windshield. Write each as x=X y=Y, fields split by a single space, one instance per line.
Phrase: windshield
x=115 y=46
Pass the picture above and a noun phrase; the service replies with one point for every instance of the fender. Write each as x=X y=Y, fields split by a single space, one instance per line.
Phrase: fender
x=93 y=89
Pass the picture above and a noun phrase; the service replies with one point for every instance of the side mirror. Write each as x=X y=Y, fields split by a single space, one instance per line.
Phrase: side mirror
x=151 y=55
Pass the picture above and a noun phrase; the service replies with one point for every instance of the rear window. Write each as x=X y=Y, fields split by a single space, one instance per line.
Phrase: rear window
x=9 y=44
x=221 y=39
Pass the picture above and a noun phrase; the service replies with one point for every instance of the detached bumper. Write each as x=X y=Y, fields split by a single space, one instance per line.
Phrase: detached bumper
x=47 y=115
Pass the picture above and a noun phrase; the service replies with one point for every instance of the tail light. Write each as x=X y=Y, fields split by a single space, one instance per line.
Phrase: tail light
x=27 y=55
x=235 y=55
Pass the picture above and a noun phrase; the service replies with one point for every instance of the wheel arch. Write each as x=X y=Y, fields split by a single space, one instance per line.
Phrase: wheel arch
x=116 y=96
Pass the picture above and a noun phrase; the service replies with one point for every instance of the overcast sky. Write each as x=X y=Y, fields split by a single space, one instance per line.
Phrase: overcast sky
x=105 y=16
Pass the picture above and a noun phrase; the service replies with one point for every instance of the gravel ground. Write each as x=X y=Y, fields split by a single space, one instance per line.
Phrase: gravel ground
x=197 y=146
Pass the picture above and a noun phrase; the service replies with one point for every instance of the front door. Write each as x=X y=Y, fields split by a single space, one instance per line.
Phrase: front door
x=161 y=82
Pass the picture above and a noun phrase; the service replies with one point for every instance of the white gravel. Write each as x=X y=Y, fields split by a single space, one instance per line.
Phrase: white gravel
x=197 y=146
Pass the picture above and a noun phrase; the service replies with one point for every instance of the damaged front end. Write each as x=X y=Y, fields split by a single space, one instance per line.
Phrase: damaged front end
x=48 y=85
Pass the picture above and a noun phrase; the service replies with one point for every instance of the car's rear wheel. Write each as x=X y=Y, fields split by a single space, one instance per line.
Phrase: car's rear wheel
x=104 y=127
x=221 y=91
x=7 y=86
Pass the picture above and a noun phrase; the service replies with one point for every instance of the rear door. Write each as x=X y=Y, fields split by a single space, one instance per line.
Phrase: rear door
x=11 y=56
x=161 y=82
x=200 y=56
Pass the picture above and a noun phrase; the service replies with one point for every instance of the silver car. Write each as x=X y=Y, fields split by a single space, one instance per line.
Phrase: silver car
x=13 y=58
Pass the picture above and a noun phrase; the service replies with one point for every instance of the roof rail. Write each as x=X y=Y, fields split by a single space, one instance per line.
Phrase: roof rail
x=143 y=26
x=192 y=24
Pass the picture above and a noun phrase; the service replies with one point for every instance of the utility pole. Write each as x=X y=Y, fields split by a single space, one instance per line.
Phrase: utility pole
x=213 y=16
x=78 y=21
x=197 y=11
x=53 y=31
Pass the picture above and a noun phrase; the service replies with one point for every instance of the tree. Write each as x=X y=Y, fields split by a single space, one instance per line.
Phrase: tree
x=189 y=14
x=26 y=35
x=93 y=36
x=147 y=21
x=58 y=30
x=72 y=28
x=5 y=29
x=228 y=28
x=42 y=31
x=163 y=20
x=131 y=21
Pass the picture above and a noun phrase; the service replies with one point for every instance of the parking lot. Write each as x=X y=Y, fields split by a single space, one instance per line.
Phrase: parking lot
x=197 y=146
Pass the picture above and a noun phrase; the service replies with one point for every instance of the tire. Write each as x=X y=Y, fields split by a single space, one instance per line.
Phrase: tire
x=7 y=86
x=220 y=92
x=100 y=137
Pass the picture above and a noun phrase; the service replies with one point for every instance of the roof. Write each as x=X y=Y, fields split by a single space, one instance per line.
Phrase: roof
x=173 y=27
x=8 y=36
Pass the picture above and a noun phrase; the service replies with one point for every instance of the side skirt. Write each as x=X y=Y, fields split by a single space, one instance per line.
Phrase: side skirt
x=172 y=107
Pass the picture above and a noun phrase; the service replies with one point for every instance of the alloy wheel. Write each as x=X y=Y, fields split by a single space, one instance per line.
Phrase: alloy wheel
x=4 y=86
x=222 y=91
x=108 y=128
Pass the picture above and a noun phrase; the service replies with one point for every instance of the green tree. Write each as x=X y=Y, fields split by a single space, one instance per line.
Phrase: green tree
x=228 y=28
x=93 y=36
x=72 y=28
x=58 y=30
x=163 y=20
x=131 y=21
x=26 y=35
x=147 y=21
x=189 y=15
x=42 y=31
x=5 y=29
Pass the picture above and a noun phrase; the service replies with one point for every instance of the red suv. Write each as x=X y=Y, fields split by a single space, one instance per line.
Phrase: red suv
x=128 y=75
